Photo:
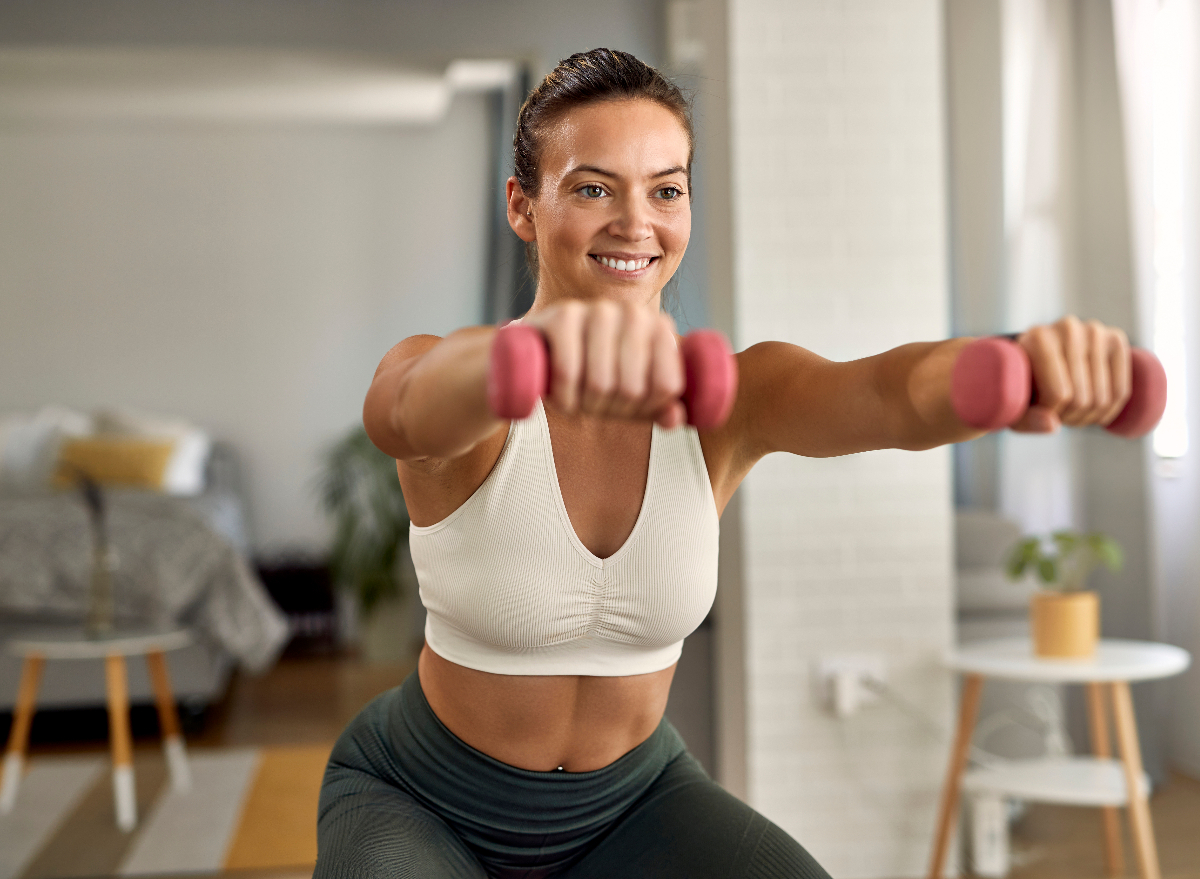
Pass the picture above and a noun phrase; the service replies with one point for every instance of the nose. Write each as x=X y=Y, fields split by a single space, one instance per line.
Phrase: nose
x=632 y=220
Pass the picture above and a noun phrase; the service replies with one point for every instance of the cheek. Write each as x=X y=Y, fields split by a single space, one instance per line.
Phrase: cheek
x=678 y=231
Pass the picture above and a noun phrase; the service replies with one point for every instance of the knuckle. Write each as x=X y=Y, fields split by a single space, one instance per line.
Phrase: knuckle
x=1040 y=335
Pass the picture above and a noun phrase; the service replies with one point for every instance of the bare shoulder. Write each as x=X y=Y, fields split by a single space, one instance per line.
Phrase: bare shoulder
x=435 y=487
x=407 y=349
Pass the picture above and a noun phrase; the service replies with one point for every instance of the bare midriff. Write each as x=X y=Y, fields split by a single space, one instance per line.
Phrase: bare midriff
x=544 y=722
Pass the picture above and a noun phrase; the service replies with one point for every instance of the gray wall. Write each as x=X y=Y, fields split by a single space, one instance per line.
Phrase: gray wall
x=418 y=31
x=247 y=279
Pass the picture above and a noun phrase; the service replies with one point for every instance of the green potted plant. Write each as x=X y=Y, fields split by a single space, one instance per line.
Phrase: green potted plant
x=360 y=491
x=1064 y=616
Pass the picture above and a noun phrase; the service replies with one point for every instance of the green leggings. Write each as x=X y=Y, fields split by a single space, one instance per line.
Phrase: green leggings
x=404 y=797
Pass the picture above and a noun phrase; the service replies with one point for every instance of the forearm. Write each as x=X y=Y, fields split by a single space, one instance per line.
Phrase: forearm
x=914 y=384
x=433 y=404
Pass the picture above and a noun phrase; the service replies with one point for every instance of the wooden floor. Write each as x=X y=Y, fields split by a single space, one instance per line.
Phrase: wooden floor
x=1061 y=842
x=306 y=700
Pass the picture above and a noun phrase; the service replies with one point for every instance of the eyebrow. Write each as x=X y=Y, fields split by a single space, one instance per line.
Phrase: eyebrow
x=678 y=169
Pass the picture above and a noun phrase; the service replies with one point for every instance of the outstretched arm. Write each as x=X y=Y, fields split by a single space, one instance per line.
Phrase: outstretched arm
x=794 y=401
x=428 y=398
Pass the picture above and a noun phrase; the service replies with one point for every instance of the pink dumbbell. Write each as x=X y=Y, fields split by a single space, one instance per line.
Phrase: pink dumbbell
x=520 y=373
x=992 y=386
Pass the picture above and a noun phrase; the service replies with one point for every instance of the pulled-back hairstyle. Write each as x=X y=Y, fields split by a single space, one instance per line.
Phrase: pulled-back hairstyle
x=587 y=78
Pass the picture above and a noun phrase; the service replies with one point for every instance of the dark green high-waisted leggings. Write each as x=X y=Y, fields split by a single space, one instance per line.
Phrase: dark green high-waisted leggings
x=404 y=797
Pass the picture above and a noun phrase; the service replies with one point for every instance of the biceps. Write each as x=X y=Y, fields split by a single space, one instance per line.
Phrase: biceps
x=796 y=401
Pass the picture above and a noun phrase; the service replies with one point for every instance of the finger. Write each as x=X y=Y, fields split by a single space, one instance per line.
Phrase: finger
x=1051 y=380
x=1079 y=404
x=666 y=370
x=564 y=335
x=1098 y=346
x=600 y=358
x=1121 y=372
x=1037 y=419
x=672 y=416
x=633 y=363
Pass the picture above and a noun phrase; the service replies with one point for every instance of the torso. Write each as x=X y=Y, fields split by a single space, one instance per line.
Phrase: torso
x=542 y=722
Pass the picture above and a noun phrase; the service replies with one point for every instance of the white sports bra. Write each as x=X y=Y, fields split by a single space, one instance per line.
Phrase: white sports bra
x=510 y=589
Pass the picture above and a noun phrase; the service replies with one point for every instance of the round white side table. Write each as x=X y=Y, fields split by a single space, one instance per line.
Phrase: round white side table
x=1085 y=781
x=37 y=646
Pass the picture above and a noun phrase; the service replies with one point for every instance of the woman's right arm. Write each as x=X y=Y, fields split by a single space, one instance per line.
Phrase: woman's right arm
x=428 y=398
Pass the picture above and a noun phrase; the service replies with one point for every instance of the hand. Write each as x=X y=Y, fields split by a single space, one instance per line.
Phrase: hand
x=614 y=360
x=1081 y=373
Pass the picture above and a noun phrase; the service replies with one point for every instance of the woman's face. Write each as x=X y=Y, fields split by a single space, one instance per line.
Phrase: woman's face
x=613 y=215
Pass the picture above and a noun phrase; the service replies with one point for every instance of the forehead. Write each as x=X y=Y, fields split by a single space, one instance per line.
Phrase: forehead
x=631 y=137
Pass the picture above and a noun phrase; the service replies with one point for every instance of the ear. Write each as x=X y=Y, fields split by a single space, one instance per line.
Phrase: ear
x=520 y=211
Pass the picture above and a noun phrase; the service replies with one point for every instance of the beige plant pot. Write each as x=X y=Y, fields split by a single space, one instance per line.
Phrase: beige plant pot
x=1065 y=625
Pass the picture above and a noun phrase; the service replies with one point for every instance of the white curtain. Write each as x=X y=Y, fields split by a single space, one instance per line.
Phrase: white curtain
x=1035 y=484
x=1157 y=42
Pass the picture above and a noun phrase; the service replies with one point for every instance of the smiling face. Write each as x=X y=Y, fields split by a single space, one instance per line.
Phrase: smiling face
x=613 y=213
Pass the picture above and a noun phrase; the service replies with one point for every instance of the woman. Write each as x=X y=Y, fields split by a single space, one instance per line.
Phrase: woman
x=563 y=558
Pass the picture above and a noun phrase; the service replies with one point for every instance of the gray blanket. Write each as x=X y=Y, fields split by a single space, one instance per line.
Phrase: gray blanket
x=171 y=568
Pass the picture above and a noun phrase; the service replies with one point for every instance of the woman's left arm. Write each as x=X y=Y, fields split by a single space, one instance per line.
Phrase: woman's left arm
x=791 y=400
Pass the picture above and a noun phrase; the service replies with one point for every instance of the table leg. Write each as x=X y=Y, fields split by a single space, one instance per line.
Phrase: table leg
x=168 y=722
x=968 y=709
x=18 y=737
x=1131 y=755
x=1114 y=856
x=122 y=741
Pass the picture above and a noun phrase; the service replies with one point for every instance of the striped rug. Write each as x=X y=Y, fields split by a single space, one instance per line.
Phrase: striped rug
x=248 y=809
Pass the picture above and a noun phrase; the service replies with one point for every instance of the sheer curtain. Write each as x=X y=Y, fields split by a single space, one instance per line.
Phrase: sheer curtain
x=1157 y=42
x=1036 y=486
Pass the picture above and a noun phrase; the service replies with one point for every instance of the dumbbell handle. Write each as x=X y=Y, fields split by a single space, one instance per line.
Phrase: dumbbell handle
x=992 y=386
x=519 y=374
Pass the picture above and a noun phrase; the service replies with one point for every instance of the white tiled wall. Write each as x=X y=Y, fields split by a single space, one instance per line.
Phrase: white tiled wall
x=840 y=246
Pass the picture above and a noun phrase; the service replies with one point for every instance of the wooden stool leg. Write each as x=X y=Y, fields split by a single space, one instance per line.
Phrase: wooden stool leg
x=1131 y=755
x=1114 y=855
x=122 y=741
x=18 y=737
x=972 y=687
x=168 y=722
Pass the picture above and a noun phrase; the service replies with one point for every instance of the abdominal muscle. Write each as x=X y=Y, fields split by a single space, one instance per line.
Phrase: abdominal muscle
x=543 y=722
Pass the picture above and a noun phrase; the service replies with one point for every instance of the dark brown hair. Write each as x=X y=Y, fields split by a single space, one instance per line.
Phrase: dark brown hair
x=586 y=78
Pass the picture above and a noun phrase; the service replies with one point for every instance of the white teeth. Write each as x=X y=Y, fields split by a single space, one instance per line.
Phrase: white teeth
x=621 y=265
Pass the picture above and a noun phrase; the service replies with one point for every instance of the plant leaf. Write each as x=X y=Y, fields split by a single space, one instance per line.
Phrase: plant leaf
x=1107 y=550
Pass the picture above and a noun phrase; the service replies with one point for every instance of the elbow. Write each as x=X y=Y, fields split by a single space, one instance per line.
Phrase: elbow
x=382 y=422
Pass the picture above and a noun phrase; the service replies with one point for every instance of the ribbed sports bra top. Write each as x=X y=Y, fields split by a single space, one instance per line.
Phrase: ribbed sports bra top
x=509 y=587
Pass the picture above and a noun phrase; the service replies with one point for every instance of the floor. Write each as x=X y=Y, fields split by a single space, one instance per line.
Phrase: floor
x=1061 y=842
x=309 y=699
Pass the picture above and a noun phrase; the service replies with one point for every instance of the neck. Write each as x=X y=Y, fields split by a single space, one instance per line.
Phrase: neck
x=549 y=293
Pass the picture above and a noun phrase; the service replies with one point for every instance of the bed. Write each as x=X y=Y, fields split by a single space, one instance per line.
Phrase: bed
x=180 y=560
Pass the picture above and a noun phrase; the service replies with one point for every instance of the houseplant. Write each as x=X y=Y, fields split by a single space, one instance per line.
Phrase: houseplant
x=360 y=491
x=1064 y=616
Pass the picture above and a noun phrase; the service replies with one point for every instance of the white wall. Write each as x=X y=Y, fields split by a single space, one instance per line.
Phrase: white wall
x=246 y=278
x=840 y=246
x=261 y=306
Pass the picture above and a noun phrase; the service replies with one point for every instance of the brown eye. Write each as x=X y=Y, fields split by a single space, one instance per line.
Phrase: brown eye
x=670 y=193
x=592 y=191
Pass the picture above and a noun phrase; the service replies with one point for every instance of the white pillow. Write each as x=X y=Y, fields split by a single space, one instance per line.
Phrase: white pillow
x=29 y=445
x=184 y=474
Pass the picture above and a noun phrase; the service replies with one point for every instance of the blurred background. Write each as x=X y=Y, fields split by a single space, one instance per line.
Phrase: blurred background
x=216 y=218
